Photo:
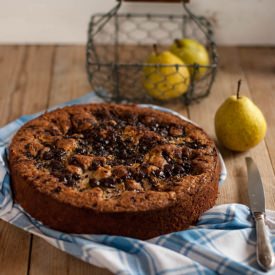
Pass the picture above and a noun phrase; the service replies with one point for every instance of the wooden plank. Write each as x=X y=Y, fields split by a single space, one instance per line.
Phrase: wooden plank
x=46 y=259
x=12 y=60
x=258 y=65
x=14 y=242
x=14 y=252
x=178 y=107
x=260 y=153
x=24 y=79
x=235 y=188
x=69 y=76
x=69 y=81
x=31 y=92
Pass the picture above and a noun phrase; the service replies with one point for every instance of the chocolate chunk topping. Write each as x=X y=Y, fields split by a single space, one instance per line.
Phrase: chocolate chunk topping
x=96 y=163
x=108 y=182
x=94 y=182
x=81 y=151
x=195 y=145
x=48 y=155
x=57 y=190
x=135 y=151
x=56 y=165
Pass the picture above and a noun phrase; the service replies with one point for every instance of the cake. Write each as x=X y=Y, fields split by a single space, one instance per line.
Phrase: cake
x=113 y=169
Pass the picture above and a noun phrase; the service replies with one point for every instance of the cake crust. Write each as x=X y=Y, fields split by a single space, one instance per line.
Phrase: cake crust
x=114 y=169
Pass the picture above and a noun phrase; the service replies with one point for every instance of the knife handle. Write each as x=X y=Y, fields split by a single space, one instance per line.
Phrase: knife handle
x=265 y=256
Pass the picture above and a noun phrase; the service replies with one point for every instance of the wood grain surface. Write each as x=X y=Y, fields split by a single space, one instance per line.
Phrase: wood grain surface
x=32 y=78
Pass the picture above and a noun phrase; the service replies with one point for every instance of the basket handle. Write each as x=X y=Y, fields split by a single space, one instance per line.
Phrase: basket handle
x=163 y=1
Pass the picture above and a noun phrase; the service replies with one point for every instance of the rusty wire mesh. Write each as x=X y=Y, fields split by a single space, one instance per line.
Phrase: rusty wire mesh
x=119 y=45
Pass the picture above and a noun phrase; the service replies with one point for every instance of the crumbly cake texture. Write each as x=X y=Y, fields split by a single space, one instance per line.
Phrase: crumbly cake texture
x=114 y=169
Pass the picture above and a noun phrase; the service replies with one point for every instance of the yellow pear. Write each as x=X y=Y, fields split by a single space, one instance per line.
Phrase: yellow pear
x=191 y=52
x=239 y=123
x=165 y=82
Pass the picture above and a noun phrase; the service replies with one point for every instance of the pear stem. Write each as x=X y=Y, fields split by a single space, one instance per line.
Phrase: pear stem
x=177 y=41
x=238 y=88
x=155 y=48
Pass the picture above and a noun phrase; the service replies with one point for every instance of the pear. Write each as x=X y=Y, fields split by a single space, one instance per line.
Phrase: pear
x=239 y=123
x=191 y=52
x=165 y=82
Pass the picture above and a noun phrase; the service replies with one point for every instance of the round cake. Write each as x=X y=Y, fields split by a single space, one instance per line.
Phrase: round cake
x=114 y=169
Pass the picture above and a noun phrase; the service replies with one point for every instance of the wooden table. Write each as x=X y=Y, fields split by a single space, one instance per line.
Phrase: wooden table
x=33 y=78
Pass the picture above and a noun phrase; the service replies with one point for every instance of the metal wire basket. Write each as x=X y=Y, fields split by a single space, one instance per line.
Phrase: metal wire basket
x=119 y=45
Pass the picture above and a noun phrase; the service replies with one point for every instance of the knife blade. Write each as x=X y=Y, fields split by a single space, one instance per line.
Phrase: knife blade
x=264 y=251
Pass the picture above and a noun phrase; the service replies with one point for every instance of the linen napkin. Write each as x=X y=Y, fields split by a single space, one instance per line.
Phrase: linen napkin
x=223 y=241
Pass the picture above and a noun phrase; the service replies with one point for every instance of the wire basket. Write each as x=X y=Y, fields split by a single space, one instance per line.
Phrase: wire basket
x=119 y=45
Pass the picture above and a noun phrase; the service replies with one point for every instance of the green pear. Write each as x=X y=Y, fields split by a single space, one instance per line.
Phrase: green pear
x=165 y=82
x=191 y=52
x=239 y=123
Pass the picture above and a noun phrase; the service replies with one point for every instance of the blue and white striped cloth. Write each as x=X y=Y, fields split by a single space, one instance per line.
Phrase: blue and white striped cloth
x=223 y=241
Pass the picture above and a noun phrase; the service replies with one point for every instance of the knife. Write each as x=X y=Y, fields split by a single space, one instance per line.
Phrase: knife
x=265 y=256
